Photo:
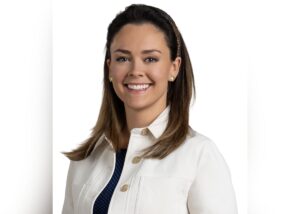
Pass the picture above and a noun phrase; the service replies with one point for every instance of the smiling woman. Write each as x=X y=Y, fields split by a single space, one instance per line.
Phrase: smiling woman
x=142 y=156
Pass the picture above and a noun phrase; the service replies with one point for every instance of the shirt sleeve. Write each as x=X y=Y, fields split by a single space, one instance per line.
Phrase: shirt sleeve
x=212 y=191
x=68 y=207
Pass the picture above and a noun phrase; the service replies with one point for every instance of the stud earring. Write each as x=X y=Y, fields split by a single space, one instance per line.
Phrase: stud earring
x=110 y=79
x=172 y=78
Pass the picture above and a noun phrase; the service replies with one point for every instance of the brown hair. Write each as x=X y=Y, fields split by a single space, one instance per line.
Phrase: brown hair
x=111 y=120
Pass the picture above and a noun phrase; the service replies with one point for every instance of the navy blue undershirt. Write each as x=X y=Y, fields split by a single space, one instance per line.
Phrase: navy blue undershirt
x=103 y=199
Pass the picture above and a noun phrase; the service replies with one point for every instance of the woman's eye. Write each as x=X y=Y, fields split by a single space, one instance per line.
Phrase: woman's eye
x=122 y=59
x=151 y=59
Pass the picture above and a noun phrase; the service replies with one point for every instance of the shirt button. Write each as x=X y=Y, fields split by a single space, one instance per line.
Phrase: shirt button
x=136 y=159
x=144 y=131
x=124 y=188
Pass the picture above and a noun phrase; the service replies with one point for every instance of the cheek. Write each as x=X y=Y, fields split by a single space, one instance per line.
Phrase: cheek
x=160 y=75
x=118 y=73
x=118 y=76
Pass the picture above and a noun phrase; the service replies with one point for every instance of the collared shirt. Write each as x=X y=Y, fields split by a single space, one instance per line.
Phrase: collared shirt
x=193 y=179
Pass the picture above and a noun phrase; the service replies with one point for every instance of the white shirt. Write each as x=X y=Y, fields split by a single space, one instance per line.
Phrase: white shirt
x=193 y=179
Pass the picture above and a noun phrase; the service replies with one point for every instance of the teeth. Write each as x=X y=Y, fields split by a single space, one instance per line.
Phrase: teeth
x=138 y=87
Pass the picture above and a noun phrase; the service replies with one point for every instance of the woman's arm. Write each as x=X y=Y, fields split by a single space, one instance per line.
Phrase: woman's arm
x=68 y=207
x=212 y=190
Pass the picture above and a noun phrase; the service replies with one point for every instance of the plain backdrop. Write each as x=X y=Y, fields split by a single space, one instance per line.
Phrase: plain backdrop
x=25 y=107
x=245 y=57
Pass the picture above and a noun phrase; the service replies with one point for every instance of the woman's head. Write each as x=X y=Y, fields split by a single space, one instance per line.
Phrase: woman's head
x=140 y=67
x=132 y=23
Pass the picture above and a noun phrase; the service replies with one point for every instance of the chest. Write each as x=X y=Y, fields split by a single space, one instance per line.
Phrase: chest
x=145 y=185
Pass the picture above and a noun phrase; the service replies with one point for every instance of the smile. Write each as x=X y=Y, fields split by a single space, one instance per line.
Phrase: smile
x=138 y=87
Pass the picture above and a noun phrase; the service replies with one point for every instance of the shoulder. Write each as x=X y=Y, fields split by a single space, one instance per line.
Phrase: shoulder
x=202 y=148
x=197 y=140
x=194 y=135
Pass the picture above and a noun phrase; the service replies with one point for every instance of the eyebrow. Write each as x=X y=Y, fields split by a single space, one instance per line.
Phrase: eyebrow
x=143 y=52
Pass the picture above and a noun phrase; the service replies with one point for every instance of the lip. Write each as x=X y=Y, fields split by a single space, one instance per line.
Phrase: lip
x=133 y=83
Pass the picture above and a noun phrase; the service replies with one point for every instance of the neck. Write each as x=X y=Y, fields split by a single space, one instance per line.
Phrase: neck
x=139 y=118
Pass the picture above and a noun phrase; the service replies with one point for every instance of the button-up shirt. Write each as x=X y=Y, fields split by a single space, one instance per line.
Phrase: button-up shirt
x=193 y=179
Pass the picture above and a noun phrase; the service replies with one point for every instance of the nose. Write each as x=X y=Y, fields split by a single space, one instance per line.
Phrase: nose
x=136 y=69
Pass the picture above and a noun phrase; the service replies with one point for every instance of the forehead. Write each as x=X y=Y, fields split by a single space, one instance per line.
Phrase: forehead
x=139 y=36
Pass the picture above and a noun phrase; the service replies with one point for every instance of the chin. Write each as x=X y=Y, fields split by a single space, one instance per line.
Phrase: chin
x=137 y=106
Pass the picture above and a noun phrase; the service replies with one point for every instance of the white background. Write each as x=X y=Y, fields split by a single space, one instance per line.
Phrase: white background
x=245 y=57
x=25 y=107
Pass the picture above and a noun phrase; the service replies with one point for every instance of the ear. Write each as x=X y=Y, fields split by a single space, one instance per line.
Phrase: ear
x=108 y=61
x=175 y=67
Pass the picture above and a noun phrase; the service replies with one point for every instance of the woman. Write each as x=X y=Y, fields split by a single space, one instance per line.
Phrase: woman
x=142 y=156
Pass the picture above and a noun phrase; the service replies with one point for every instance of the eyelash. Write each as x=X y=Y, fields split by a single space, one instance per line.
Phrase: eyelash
x=121 y=59
x=124 y=59
x=152 y=59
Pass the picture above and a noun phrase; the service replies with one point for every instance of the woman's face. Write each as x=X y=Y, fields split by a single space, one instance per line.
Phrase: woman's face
x=141 y=67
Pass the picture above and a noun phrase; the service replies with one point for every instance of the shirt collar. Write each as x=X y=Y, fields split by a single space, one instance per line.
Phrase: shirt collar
x=157 y=127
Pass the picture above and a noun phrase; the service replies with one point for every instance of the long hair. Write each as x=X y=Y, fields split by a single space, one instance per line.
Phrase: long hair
x=112 y=119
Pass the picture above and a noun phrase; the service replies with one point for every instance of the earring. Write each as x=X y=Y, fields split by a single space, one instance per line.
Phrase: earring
x=172 y=78
x=110 y=79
